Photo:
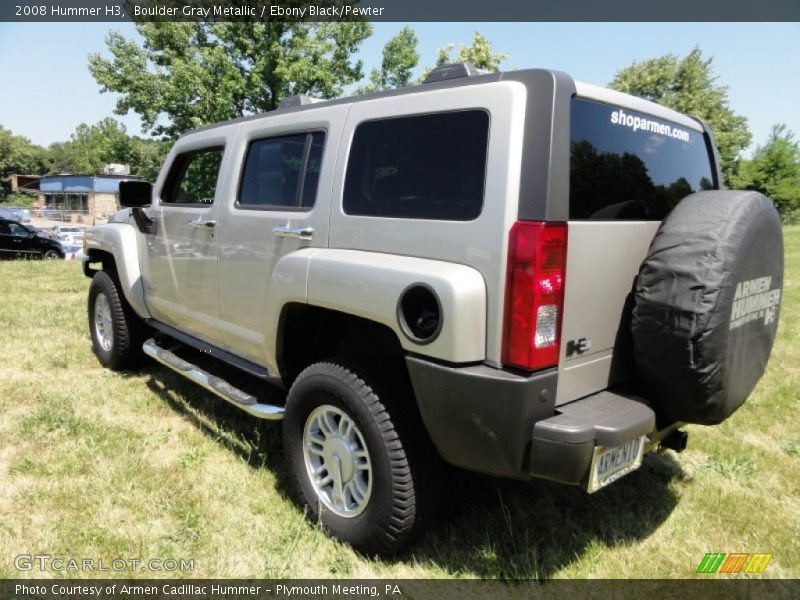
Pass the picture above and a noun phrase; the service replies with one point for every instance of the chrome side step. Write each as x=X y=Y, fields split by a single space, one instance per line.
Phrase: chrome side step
x=216 y=385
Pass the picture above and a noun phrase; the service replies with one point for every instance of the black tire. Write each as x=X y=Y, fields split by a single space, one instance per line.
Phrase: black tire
x=51 y=255
x=128 y=331
x=405 y=466
x=707 y=301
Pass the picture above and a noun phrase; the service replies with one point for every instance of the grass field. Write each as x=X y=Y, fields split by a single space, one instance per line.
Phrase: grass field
x=100 y=465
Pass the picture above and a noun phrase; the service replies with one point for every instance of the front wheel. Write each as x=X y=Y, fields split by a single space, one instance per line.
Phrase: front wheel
x=117 y=332
x=51 y=255
x=359 y=462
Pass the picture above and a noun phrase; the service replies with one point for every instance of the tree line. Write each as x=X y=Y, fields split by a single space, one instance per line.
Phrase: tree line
x=89 y=148
x=186 y=75
x=688 y=85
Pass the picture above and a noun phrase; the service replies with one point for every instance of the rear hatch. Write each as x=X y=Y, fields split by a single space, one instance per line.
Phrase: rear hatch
x=631 y=162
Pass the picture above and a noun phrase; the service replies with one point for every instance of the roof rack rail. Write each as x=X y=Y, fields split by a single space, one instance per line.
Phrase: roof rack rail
x=297 y=100
x=454 y=71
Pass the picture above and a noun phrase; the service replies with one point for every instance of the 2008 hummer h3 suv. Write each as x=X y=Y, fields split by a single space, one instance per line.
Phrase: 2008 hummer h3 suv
x=520 y=274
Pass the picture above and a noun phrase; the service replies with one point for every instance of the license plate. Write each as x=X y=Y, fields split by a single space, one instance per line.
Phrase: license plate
x=612 y=462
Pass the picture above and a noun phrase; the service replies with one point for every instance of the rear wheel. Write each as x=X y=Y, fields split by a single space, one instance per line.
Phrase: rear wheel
x=359 y=462
x=117 y=332
x=51 y=255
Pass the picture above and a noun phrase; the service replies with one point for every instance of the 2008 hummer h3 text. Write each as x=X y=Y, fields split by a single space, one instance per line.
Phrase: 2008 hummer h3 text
x=517 y=273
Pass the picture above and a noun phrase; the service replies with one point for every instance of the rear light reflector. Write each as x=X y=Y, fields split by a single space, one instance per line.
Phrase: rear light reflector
x=537 y=257
x=546 y=326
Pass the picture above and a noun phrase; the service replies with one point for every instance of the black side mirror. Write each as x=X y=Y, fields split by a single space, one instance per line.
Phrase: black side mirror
x=135 y=194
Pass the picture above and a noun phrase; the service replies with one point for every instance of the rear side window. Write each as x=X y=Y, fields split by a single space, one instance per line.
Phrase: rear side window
x=282 y=172
x=420 y=167
x=626 y=165
x=193 y=177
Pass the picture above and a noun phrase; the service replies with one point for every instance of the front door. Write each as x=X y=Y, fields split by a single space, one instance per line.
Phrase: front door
x=182 y=286
x=16 y=240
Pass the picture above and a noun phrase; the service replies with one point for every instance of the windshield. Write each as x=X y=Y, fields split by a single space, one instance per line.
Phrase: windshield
x=632 y=166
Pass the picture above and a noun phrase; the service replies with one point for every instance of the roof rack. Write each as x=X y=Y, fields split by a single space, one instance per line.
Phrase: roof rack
x=454 y=71
x=297 y=100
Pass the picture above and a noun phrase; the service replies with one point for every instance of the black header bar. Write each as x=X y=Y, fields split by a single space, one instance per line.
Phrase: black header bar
x=399 y=10
x=389 y=589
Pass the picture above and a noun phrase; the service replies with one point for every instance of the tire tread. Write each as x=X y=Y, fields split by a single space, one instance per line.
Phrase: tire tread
x=413 y=461
x=130 y=331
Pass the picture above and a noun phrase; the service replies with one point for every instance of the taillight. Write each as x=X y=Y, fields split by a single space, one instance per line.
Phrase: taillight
x=537 y=258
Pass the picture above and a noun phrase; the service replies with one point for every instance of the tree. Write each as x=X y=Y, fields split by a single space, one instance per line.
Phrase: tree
x=186 y=75
x=149 y=155
x=689 y=86
x=400 y=57
x=775 y=172
x=91 y=147
x=479 y=54
x=18 y=155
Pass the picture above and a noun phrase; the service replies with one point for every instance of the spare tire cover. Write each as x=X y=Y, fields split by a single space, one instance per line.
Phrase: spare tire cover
x=706 y=308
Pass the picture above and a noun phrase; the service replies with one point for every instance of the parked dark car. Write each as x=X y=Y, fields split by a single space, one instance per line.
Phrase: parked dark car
x=23 y=241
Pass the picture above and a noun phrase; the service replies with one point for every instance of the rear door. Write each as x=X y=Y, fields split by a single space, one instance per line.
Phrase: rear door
x=628 y=169
x=277 y=202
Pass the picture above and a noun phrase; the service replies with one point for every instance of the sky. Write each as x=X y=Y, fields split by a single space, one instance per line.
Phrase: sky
x=46 y=89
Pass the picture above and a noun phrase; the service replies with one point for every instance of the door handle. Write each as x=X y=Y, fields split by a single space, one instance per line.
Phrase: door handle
x=200 y=224
x=303 y=233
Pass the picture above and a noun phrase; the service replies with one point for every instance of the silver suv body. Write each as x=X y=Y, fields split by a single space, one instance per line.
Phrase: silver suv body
x=419 y=226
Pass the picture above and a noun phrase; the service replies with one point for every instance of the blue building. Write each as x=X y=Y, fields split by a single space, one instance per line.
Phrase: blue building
x=92 y=195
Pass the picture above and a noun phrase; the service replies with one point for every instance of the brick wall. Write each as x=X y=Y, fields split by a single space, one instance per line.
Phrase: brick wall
x=102 y=204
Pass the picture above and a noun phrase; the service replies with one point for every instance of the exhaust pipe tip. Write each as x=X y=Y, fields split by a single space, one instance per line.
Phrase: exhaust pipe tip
x=676 y=440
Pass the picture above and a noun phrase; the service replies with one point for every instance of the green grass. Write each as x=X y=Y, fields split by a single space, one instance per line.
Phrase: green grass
x=100 y=465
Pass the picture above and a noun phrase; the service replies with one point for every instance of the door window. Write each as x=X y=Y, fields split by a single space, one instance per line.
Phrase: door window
x=18 y=230
x=282 y=172
x=193 y=177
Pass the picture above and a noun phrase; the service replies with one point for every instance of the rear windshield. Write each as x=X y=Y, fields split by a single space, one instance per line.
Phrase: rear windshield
x=632 y=166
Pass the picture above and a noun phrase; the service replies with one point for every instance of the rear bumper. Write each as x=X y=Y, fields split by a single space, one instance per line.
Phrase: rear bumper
x=501 y=423
x=562 y=446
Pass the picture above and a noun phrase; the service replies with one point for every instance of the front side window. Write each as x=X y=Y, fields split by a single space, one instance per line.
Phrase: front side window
x=282 y=172
x=18 y=230
x=193 y=177
x=626 y=165
x=429 y=166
